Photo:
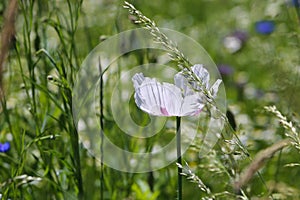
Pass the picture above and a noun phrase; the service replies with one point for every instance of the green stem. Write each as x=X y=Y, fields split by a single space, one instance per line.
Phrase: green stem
x=76 y=154
x=178 y=139
x=101 y=132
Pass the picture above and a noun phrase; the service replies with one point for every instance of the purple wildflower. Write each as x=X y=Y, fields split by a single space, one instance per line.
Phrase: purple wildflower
x=225 y=69
x=241 y=35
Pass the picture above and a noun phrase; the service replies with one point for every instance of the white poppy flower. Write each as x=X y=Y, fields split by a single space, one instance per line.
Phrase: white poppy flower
x=165 y=99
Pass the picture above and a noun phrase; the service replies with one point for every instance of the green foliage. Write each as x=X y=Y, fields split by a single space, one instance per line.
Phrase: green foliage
x=47 y=160
x=141 y=190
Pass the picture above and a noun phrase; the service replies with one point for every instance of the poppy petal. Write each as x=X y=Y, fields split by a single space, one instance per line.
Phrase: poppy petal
x=182 y=82
x=192 y=105
x=202 y=74
x=158 y=99
x=215 y=87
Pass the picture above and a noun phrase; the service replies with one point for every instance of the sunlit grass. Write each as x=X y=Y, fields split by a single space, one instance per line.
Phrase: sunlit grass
x=47 y=160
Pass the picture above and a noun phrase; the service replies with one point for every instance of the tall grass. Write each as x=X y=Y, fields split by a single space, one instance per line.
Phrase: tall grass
x=42 y=119
x=47 y=160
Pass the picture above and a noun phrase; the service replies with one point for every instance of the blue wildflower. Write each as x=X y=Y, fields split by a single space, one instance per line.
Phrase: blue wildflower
x=295 y=3
x=265 y=27
x=4 y=147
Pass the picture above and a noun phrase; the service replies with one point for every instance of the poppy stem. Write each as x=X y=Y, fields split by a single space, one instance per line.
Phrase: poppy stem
x=101 y=132
x=178 y=139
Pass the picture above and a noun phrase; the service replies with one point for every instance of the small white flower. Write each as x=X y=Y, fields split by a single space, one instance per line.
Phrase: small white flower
x=165 y=99
x=232 y=44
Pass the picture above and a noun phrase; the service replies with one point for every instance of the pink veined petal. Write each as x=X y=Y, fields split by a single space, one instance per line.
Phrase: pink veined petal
x=202 y=74
x=137 y=80
x=189 y=88
x=182 y=82
x=191 y=105
x=197 y=112
x=140 y=102
x=164 y=111
x=215 y=87
x=158 y=99
x=141 y=99
x=149 y=92
x=171 y=99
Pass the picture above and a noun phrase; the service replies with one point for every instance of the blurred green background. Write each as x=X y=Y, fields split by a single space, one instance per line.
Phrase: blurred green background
x=258 y=70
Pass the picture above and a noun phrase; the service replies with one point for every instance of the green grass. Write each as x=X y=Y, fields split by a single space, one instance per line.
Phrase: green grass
x=47 y=160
